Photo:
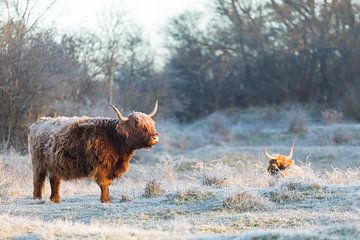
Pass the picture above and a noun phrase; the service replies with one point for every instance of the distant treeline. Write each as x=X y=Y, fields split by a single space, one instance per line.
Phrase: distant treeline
x=238 y=54
x=272 y=52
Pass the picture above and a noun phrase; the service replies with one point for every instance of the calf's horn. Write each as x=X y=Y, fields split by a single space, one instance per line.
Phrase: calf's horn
x=291 y=151
x=267 y=154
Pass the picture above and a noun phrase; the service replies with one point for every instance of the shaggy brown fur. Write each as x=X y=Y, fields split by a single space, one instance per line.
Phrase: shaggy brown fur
x=278 y=165
x=99 y=148
x=279 y=162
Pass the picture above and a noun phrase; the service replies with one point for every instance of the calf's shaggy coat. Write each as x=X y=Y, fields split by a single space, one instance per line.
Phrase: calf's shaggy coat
x=279 y=162
x=99 y=148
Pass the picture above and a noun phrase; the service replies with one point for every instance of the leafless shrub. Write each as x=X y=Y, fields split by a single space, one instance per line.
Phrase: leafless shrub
x=193 y=195
x=341 y=137
x=298 y=123
x=153 y=189
x=244 y=202
x=332 y=116
x=219 y=128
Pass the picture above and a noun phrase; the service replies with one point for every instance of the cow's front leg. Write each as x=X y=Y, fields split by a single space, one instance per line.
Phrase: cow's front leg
x=104 y=184
x=55 y=188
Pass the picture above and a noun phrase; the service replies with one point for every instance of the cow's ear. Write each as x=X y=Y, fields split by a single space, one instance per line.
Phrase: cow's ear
x=122 y=130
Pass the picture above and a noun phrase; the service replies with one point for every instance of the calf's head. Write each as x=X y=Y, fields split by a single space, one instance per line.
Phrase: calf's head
x=279 y=162
x=138 y=128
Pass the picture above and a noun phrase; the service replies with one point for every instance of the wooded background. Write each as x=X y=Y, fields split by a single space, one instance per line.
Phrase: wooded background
x=239 y=54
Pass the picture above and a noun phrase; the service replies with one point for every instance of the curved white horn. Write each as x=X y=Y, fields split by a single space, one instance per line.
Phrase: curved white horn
x=152 y=114
x=291 y=154
x=120 y=116
x=267 y=154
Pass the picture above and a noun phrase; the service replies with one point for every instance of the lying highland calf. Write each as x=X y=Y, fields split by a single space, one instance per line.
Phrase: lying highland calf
x=99 y=148
x=278 y=163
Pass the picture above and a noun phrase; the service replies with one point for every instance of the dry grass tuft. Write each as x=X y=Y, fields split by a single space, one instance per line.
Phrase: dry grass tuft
x=332 y=116
x=125 y=198
x=193 y=196
x=153 y=189
x=243 y=202
x=346 y=176
x=213 y=174
x=4 y=190
x=5 y=183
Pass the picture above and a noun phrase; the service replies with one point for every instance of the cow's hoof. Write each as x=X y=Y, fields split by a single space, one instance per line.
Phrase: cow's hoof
x=55 y=199
x=106 y=200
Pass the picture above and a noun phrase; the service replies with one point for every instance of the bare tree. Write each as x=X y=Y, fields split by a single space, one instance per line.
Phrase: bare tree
x=114 y=28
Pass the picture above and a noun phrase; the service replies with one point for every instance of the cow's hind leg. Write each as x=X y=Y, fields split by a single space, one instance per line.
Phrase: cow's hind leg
x=104 y=184
x=39 y=180
x=55 y=188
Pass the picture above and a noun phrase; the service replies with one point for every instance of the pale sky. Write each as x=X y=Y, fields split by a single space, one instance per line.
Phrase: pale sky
x=151 y=15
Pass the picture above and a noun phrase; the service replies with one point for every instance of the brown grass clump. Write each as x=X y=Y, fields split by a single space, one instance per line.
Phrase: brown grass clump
x=243 y=202
x=153 y=189
x=193 y=196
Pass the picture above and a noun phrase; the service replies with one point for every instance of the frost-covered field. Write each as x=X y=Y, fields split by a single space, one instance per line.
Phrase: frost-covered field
x=206 y=180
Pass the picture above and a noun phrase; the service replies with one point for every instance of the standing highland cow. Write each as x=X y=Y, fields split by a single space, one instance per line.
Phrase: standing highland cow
x=99 y=148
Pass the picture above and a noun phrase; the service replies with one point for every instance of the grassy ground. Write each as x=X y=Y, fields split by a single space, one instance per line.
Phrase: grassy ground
x=210 y=183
